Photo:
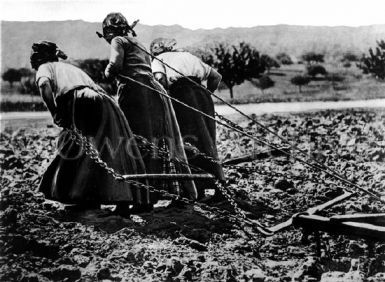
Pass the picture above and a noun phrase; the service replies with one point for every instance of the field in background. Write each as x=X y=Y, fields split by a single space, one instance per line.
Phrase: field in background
x=355 y=86
x=12 y=100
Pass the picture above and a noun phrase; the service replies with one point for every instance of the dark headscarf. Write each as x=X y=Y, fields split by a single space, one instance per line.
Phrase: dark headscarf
x=45 y=51
x=161 y=45
x=115 y=24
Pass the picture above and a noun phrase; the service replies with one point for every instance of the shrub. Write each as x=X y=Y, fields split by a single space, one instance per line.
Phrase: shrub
x=284 y=59
x=264 y=82
x=314 y=70
x=312 y=57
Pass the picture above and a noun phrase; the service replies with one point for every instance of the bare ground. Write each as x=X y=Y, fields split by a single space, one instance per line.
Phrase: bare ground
x=42 y=241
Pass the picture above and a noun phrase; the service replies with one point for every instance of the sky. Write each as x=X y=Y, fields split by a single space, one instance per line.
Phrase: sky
x=206 y=14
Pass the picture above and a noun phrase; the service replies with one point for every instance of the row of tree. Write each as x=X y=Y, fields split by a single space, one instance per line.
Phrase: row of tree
x=241 y=62
x=236 y=63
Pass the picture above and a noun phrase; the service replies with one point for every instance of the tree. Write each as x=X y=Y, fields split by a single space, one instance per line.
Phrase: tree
x=300 y=80
x=235 y=63
x=312 y=57
x=375 y=62
x=284 y=59
x=11 y=75
x=264 y=82
x=314 y=70
x=269 y=62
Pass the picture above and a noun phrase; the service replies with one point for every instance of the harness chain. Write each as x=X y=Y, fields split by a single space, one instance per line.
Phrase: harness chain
x=320 y=165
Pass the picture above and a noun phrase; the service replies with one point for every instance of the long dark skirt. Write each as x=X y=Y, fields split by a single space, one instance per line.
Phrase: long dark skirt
x=73 y=177
x=152 y=116
x=196 y=129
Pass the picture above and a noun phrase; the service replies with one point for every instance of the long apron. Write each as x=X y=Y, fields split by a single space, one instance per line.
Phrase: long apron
x=72 y=177
x=152 y=116
x=198 y=130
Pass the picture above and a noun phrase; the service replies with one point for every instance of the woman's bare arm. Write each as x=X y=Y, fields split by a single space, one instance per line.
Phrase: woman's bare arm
x=161 y=77
x=47 y=94
x=115 y=64
x=213 y=80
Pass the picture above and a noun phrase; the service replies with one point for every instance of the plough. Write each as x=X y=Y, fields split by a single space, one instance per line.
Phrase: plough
x=311 y=211
x=366 y=226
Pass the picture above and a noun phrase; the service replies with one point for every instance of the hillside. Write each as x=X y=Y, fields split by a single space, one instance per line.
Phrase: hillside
x=79 y=41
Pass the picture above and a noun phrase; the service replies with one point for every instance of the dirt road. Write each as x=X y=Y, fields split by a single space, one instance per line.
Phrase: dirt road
x=17 y=119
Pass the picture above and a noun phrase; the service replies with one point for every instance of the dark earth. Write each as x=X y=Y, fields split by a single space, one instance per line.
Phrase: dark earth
x=42 y=240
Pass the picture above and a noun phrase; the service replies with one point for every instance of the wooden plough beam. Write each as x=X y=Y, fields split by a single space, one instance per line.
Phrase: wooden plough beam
x=168 y=176
x=350 y=228
x=257 y=156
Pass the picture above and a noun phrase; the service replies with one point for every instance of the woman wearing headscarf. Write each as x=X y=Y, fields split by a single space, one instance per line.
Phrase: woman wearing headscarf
x=75 y=101
x=198 y=130
x=149 y=114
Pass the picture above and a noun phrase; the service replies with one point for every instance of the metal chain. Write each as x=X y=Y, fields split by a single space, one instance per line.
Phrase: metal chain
x=202 y=155
x=225 y=191
x=147 y=145
x=242 y=220
x=90 y=151
x=228 y=121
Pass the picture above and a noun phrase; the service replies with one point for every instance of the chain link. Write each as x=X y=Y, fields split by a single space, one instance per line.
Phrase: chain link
x=239 y=217
x=148 y=146
x=222 y=118
x=202 y=155
x=91 y=152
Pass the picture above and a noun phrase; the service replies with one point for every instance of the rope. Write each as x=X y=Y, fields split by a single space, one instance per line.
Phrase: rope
x=241 y=131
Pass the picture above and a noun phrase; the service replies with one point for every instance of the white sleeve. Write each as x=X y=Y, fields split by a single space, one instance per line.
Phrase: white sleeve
x=44 y=71
x=158 y=66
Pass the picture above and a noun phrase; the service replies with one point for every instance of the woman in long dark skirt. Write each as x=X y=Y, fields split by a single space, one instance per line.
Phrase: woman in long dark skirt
x=198 y=130
x=74 y=100
x=149 y=114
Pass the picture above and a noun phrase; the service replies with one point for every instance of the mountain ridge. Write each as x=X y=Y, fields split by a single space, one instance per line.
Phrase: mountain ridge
x=78 y=39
